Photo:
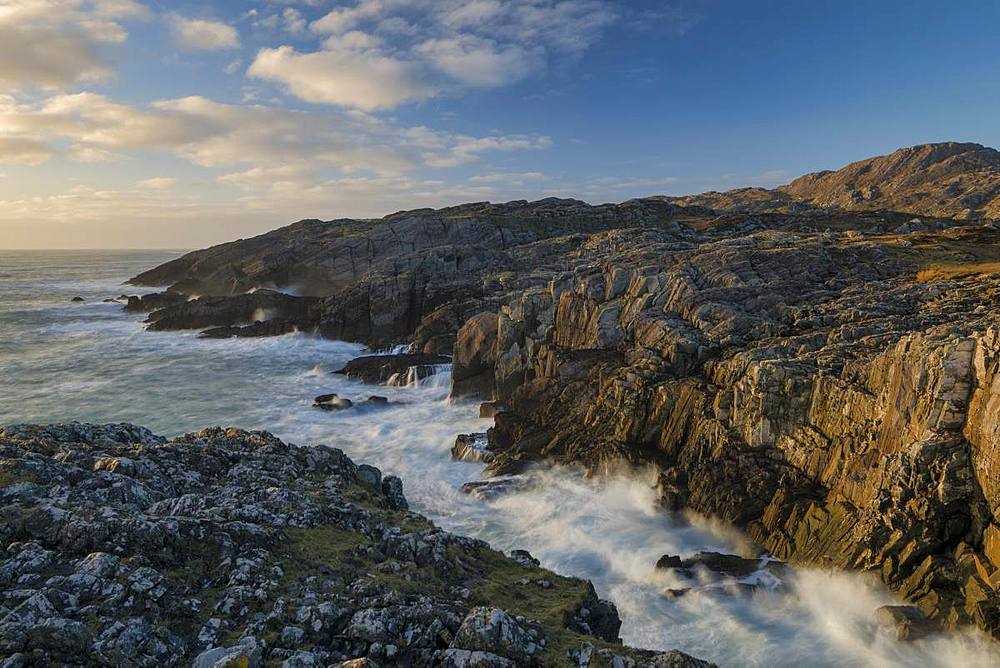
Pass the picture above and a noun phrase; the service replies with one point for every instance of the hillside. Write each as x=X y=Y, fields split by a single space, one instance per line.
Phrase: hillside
x=949 y=180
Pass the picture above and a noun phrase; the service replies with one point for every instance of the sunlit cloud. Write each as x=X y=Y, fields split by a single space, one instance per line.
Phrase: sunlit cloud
x=59 y=43
x=203 y=35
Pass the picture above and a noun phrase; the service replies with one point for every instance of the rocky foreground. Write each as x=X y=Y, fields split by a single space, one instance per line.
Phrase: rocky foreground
x=231 y=548
x=803 y=362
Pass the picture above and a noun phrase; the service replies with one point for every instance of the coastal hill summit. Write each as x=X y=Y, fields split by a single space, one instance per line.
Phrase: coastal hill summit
x=817 y=364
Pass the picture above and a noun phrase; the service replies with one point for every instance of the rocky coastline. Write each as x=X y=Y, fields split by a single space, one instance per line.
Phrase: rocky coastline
x=231 y=548
x=817 y=364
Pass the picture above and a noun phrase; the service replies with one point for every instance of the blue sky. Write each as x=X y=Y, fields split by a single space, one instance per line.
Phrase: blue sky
x=145 y=123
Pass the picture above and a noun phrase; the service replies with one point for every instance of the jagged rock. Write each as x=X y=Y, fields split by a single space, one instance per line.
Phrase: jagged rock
x=905 y=622
x=471 y=448
x=153 y=301
x=497 y=487
x=396 y=370
x=139 y=551
x=273 y=327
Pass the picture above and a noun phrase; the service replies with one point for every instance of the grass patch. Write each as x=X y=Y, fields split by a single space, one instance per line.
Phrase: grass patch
x=554 y=607
x=950 y=272
x=319 y=551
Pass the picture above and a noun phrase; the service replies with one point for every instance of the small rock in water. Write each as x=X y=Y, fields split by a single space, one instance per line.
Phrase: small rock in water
x=472 y=448
x=726 y=564
x=906 y=622
x=668 y=561
x=77 y=299
x=331 y=402
x=489 y=490
x=375 y=402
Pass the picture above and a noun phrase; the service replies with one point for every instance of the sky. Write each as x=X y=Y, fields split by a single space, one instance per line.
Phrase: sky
x=156 y=124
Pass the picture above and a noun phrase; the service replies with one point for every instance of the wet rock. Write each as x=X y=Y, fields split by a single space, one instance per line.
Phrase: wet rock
x=396 y=370
x=669 y=561
x=273 y=327
x=726 y=564
x=332 y=402
x=254 y=309
x=489 y=490
x=904 y=622
x=77 y=299
x=153 y=301
x=472 y=448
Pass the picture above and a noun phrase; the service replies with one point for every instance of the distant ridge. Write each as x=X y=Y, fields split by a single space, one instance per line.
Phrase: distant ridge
x=949 y=180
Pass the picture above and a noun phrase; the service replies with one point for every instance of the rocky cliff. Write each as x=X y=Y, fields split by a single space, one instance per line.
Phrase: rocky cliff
x=824 y=378
x=231 y=548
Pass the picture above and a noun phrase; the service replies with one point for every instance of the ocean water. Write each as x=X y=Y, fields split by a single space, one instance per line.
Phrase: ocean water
x=90 y=361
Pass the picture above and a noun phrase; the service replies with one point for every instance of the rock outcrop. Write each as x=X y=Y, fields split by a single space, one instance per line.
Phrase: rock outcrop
x=804 y=363
x=226 y=547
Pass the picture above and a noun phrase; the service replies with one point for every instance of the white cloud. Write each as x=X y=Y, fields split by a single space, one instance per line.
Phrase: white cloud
x=509 y=178
x=92 y=154
x=157 y=183
x=25 y=150
x=480 y=62
x=360 y=79
x=203 y=34
x=213 y=134
x=58 y=43
x=294 y=22
x=378 y=54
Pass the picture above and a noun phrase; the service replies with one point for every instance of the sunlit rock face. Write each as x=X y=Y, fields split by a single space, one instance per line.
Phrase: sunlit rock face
x=802 y=385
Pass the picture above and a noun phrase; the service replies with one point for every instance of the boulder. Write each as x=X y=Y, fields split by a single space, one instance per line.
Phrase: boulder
x=332 y=402
x=495 y=631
